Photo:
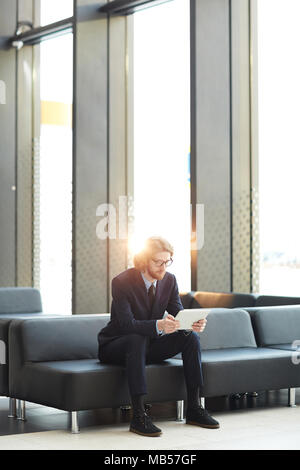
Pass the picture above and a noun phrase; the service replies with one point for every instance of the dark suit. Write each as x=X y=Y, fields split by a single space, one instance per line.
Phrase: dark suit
x=131 y=337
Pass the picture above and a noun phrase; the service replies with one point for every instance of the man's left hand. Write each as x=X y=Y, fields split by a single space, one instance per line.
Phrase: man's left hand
x=199 y=326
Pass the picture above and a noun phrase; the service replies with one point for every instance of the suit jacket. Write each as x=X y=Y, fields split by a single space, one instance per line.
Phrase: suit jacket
x=130 y=309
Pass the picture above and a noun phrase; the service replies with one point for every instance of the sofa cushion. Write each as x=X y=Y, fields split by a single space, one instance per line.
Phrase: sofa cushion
x=276 y=325
x=237 y=370
x=186 y=299
x=20 y=300
x=227 y=328
x=89 y=384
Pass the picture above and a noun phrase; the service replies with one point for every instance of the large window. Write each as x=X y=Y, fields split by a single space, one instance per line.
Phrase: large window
x=55 y=10
x=279 y=145
x=162 y=131
x=53 y=170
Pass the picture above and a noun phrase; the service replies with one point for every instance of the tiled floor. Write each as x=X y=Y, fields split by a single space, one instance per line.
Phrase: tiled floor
x=251 y=423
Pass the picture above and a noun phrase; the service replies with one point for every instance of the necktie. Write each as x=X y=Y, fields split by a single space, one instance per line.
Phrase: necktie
x=151 y=295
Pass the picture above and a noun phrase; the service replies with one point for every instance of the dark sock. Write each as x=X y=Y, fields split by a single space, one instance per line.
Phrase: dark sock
x=138 y=404
x=193 y=400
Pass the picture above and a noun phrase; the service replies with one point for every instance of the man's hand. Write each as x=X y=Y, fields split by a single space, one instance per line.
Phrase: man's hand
x=168 y=324
x=199 y=326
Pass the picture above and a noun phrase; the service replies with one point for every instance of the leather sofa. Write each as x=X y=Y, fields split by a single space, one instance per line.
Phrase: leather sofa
x=54 y=362
x=251 y=302
x=235 y=359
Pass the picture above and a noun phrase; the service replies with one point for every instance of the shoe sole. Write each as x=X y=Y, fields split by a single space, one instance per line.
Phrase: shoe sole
x=209 y=426
x=153 y=434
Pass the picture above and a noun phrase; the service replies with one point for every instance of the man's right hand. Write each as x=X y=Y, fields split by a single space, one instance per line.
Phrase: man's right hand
x=168 y=324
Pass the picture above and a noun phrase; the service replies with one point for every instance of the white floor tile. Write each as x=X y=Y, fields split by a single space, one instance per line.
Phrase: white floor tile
x=273 y=428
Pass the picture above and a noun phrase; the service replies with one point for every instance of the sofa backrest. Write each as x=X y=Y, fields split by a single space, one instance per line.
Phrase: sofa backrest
x=20 y=300
x=187 y=299
x=272 y=300
x=277 y=325
x=227 y=328
x=222 y=300
x=66 y=338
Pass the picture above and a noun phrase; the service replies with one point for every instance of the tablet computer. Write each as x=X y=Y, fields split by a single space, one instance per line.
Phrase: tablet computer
x=189 y=316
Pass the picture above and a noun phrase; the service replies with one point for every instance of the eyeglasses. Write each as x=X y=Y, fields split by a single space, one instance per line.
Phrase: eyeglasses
x=159 y=262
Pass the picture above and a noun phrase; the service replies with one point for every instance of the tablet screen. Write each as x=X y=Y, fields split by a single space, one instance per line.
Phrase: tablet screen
x=187 y=317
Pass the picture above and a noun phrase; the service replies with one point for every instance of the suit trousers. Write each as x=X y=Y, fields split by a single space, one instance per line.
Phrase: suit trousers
x=135 y=351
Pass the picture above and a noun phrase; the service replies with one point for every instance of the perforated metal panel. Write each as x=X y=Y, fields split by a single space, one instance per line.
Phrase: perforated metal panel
x=36 y=212
x=214 y=262
x=25 y=156
x=7 y=148
x=24 y=169
x=225 y=143
x=241 y=242
x=211 y=145
x=241 y=147
x=255 y=241
x=90 y=259
x=117 y=146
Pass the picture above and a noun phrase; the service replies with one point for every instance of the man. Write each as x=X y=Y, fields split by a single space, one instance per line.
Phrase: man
x=140 y=332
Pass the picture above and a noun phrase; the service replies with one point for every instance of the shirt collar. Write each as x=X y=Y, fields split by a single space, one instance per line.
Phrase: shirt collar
x=148 y=283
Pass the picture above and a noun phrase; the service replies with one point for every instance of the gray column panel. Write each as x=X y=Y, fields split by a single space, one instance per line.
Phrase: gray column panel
x=24 y=155
x=241 y=148
x=90 y=165
x=255 y=244
x=212 y=141
x=26 y=10
x=7 y=148
x=117 y=147
x=36 y=134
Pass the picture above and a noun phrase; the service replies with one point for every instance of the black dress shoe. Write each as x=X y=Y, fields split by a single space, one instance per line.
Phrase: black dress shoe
x=200 y=417
x=142 y=424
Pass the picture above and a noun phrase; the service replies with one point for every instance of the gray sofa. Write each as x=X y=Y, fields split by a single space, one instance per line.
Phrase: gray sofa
x=21 y=303
x=237 y=360
x=54 y=362
x=252 y=303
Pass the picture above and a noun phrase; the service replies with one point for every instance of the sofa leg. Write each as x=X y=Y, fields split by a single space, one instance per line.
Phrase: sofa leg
x=180 y=410
x=12 y=408
x=292 y=397
x=74 y=421
x=21 y=414
x=202 y=402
